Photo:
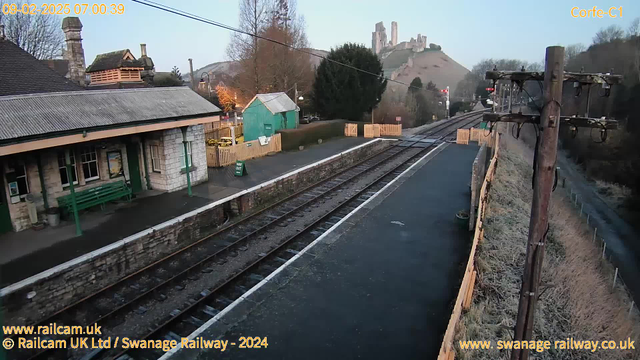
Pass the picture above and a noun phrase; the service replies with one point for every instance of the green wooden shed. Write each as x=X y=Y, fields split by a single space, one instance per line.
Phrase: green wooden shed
x=267 y=113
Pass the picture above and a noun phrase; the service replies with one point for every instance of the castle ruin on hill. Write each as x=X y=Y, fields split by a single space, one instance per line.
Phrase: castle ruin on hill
x=380 y=43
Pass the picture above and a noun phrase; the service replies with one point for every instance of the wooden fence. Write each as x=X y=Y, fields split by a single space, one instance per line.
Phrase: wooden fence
x=465 y=294
x=351 y=129
x=391 y=129
x=462 y=137
x=222 y=156
x=371 y=130
x=377 y=130
x=220 y=132
x=482 y=136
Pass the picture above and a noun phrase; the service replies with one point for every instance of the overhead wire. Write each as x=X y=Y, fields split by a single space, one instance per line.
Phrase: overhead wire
x=191 y=16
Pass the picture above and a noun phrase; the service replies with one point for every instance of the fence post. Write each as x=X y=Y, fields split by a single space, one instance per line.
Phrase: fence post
x=588 y=215
x=576 y=199
x=615 y=278
x=595 y=231
x=604 y=248
x=581 y=208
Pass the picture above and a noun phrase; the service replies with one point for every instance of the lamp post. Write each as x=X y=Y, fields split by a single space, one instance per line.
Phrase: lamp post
x=208 y=82
x=300 y=98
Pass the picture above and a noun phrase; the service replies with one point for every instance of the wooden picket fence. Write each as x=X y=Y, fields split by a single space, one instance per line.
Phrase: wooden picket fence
x=222 y=156
x=482 y=136
x=391 y=129
x=351 y=130
x=371 y=130
x=462 y=137
x=465 y=294
x=217 y=133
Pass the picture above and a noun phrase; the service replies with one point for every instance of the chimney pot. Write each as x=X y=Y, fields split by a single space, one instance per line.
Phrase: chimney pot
x=143 y=50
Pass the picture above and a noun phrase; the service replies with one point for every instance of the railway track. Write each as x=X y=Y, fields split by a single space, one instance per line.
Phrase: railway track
x=110 y=306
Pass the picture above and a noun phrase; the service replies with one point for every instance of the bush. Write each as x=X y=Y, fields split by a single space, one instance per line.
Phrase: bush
x=309 y=134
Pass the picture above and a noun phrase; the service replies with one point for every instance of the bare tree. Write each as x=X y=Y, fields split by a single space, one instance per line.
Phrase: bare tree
x=254 y=16
x=39 y=35
x=571 y=51
x=265 y=66
x=287 y=66
x=634 y=28
x=611 y=33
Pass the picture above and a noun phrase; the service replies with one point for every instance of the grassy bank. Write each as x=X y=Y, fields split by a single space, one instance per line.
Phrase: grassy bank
x=576 y=298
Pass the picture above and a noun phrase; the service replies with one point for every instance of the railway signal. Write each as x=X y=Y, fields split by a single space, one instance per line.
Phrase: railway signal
x=549 y=121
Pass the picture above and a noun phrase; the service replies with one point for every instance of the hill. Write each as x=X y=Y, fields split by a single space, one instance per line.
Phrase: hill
x=430 y=65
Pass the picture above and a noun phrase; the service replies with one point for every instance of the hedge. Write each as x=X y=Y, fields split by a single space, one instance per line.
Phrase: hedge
x=292 y=139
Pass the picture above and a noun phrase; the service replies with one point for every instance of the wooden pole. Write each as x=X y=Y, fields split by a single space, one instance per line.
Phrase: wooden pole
x=543 y=185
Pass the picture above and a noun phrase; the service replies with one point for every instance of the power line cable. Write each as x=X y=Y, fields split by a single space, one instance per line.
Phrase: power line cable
x=227 y=27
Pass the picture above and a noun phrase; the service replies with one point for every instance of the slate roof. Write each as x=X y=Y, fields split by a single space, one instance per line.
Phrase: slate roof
x=275 y=102
x=21 y=73
x=113 y=60
x=26 y=117
x=58 y=65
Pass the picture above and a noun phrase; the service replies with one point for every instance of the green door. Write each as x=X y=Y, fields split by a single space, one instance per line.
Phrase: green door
x=134 y=167
x=5 y=217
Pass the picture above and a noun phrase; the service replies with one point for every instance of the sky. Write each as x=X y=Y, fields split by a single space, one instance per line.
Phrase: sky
x=468 y=31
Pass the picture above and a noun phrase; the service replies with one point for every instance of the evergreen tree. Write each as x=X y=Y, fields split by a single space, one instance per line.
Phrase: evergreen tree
x=342 y=92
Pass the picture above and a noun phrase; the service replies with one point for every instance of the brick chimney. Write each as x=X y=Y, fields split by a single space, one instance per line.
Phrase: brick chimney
x=72 y=27
x=143 y=50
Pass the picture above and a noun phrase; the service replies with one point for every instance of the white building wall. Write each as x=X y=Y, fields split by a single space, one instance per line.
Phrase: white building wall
x=175 y=175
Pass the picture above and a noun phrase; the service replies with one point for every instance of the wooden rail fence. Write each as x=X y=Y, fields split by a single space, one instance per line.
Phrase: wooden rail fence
x=222 y=156
x=465 y=294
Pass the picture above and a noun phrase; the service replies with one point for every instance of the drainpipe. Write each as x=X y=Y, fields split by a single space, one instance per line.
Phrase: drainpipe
x=186 y=159
x=44 y=188
x=146 y=167
x=74 y=205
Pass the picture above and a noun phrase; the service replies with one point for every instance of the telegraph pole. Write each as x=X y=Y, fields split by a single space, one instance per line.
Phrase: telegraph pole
x=549 y=122
x=542 y=187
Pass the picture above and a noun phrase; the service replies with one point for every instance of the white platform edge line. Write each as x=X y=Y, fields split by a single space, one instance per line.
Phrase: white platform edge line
x=244 y=296
x=88 y=256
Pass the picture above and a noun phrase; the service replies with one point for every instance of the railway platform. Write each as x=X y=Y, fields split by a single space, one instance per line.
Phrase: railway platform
x=30 y=252
x=379 y=285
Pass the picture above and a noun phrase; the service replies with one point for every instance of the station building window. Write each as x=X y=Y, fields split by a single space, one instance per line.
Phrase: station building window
x=64 y=179
x=89 y=159
x=155 y=158
x=189 y=156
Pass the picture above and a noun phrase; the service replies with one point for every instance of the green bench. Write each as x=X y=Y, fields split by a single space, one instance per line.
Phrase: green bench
x=98 y=195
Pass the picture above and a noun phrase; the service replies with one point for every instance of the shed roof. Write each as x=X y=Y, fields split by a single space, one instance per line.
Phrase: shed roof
x=275 y=102
x=38 y=115
x=113 y=60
